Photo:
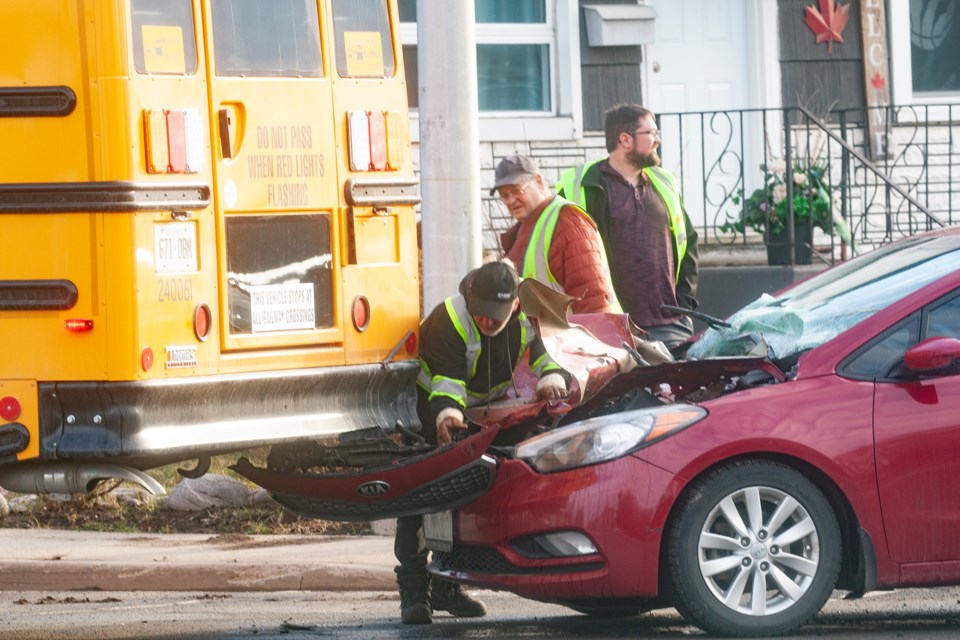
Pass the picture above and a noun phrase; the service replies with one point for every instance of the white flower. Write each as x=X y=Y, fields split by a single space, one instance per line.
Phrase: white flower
x=799 y=178
x=779 y=193
x=777 y=166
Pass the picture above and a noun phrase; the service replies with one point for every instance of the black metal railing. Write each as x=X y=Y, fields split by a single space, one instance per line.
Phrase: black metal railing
x=752 y=172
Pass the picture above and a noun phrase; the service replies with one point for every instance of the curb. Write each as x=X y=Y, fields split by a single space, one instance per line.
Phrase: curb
x=43 y=575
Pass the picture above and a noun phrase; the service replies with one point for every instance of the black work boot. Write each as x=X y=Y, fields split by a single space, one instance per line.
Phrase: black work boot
x=450 y=597
x=415 y=606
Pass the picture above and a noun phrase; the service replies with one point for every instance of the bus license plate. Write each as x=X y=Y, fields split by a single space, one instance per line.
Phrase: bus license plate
x=438 y=530
x=175 y=247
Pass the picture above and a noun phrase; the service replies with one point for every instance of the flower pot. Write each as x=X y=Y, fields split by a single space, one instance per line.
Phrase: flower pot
x=778 y=244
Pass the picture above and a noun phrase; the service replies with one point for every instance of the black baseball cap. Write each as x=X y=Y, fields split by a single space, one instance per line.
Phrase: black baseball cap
x=491 y=290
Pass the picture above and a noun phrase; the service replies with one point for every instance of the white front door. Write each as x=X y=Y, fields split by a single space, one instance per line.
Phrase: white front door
x=703 y=62
x=699 y=59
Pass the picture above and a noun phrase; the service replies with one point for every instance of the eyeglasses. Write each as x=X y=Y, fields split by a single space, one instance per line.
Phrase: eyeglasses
x=654 y=132
x=507 y=192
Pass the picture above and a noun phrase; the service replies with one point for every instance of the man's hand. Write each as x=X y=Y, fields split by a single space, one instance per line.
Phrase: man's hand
x=449 y=421
x=552 y=387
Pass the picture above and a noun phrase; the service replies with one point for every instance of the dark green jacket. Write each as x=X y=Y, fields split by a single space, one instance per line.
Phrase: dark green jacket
x=593 y=198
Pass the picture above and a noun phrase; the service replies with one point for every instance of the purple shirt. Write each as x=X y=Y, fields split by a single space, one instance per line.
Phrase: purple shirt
x=641 y=249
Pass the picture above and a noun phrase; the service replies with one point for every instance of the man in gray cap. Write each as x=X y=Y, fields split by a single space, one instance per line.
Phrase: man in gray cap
x=553 y=240
x=470 y=345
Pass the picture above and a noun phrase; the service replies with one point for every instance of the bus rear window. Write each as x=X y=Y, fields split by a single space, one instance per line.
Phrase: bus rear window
x=280 y=273
x=164 y=41
x=364 y=40
x=272 y=38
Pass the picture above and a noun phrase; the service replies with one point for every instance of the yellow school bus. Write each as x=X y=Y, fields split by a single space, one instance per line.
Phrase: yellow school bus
x=210 y=234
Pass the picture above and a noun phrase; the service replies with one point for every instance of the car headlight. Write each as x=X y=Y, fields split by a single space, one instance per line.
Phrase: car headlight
x=606 y=437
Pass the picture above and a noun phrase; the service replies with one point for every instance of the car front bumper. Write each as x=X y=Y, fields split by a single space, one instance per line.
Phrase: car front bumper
x=617 y=505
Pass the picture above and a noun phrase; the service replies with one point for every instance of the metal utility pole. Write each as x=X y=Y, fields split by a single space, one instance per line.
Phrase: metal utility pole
x=449 y=146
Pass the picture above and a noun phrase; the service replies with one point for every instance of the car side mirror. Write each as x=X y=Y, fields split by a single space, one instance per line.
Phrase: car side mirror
x=933 y=354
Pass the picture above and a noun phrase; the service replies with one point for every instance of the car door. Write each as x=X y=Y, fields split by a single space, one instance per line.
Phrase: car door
x=917 y=435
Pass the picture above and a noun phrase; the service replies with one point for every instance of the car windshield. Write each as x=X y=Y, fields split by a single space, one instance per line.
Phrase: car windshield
x=828 y=304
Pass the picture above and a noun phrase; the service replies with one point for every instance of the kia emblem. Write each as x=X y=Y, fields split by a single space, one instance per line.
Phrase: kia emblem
x=373 y=489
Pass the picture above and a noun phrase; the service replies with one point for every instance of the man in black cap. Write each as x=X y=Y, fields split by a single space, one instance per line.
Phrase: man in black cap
x=470 y=345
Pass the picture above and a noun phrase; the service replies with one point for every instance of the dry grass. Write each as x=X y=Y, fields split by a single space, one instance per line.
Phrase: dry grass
x=102 y=510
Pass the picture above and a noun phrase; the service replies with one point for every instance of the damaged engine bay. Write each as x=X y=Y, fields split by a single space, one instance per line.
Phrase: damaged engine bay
x=386 y=472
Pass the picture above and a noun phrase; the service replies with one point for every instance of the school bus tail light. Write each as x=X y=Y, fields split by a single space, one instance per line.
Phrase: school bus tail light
x=376 y=140
x=9 y=408
x=411 y=344
x=173 y=141
x=146 y=359
x=361 y=313
x=396 y=140
x=79 y=325
x=201 y=321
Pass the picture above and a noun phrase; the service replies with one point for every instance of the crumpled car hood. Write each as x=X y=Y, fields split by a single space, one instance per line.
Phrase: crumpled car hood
x=605 y=359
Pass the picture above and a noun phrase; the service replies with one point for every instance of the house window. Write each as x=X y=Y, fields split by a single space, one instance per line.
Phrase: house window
x=935 y=45
x=515 y=40
x=924 y=47
x=528 y=68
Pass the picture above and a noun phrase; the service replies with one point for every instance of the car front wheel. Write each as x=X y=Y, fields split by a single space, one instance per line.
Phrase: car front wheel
x=753 y=550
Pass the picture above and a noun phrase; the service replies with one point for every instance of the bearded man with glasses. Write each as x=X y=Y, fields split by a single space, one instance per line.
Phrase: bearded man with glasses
x=650 y=242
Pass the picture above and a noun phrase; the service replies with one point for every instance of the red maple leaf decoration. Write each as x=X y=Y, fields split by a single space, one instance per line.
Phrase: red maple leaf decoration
x=828 y=22
x=877 y=81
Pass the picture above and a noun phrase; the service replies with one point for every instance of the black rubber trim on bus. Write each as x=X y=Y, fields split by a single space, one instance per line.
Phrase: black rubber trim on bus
x=37 y=295
x=14 y=438
x=26 y=102
x=382 y=192
x=95 y=197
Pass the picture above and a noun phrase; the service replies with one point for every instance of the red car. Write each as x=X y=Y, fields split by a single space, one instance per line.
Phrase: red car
x=739 y=492
x=810 y=443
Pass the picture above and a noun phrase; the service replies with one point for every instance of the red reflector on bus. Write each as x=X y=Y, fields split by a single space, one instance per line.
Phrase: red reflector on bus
x=361 y=313
x=411 y=344
x=201 y=321
x=378 y=141
x=146 y=358
x=177 y=141
x=9 y=408
x=79 y=325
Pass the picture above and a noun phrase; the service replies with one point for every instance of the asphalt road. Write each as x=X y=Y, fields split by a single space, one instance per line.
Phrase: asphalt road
x=366 y=615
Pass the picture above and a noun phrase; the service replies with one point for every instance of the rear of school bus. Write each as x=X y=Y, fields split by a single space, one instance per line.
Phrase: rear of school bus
x=208 y=209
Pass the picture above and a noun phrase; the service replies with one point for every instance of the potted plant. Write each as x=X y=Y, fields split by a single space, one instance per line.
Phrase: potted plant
x=766 y=210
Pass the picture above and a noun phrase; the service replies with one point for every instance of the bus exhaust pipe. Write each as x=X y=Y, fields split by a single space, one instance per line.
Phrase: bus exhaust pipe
x=71 y=477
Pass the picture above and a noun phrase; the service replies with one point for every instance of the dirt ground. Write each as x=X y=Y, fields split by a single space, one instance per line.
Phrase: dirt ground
x=91 y=514
x=121 y=507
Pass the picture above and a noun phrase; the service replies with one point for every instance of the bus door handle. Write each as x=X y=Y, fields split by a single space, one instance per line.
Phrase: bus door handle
x=226 y=149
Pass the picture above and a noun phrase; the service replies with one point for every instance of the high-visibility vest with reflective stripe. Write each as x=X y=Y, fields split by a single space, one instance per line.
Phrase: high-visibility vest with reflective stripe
x=571 y=183
x=456 y=307
x=536 y=259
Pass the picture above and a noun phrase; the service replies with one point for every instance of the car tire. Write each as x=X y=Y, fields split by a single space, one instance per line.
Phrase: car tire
x=743 y=523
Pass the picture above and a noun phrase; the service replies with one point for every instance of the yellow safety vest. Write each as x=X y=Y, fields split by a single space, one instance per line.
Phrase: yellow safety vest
x=456 y=307
x=536 y=263
x=571 y=183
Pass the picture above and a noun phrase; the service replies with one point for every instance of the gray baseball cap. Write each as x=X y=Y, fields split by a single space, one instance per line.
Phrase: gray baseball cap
x=514 y=170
